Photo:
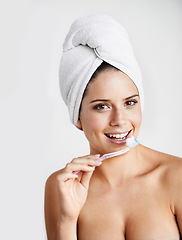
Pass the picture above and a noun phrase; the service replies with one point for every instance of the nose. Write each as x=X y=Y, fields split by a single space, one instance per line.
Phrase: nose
x=118 y=118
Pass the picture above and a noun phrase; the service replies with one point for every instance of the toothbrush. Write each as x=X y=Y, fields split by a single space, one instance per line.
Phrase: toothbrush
x=130 y=142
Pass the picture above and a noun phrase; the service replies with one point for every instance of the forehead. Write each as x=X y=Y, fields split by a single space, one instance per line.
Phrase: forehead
x=111 y=83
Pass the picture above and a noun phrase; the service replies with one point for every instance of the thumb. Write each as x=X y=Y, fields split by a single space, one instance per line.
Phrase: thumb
x=85 y=179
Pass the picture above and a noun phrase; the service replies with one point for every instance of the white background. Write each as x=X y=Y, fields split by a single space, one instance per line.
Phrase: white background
x=36 y=137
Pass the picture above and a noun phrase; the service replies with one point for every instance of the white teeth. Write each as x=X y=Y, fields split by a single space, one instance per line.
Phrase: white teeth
x=119 y=136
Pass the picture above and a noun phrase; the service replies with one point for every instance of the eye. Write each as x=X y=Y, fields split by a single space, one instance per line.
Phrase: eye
x=101 y=106
x=131 y=102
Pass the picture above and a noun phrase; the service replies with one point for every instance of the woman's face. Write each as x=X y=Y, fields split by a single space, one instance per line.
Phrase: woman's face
x=110 y=112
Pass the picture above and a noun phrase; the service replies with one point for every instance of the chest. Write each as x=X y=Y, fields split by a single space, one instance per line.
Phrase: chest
x=133 y=212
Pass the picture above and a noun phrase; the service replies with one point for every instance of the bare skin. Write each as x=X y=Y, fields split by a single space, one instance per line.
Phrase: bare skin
x=139 y=207
x=135 y=196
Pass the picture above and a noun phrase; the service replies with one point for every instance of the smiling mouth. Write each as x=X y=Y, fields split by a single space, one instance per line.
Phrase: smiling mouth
x=117 y=136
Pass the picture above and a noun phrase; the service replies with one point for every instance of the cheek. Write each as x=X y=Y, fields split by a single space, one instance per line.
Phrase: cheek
x=93 y=121
x=137 y=117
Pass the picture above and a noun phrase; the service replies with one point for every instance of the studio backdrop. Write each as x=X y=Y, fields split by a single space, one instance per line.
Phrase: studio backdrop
x=36 y=136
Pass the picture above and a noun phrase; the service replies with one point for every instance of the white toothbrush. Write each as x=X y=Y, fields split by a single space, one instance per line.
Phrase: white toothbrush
x=130 y=142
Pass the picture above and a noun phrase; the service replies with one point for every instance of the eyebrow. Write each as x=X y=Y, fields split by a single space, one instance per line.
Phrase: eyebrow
x=106 y=100
x=135 y=95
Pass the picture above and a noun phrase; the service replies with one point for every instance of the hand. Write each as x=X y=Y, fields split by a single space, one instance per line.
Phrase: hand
x=73 y=192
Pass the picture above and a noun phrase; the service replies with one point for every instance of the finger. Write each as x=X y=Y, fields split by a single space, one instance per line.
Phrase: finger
x=85 y=179
x=92 y=157
x=64 y=176
x=89 y=162
x=71 y=167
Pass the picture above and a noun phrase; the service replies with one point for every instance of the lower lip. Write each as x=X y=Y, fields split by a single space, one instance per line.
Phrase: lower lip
x=118 y=142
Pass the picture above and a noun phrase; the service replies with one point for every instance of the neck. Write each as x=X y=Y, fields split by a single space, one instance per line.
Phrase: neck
x=121 y=168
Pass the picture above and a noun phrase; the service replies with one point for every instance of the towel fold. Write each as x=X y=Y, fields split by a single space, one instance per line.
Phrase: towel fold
x=90 y=41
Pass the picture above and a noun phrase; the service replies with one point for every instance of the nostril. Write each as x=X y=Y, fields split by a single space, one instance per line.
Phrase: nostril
x=118 y=122
x=118 y=118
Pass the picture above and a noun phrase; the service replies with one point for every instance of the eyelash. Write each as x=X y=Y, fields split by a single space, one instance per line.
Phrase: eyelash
x=98 y=106
x=102 y=106
x=131 y=101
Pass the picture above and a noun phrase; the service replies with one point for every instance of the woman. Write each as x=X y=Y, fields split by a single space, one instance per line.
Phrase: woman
x=136 y=195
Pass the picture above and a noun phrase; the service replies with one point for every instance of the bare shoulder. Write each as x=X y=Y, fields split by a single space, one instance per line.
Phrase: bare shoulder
x=173 y=183
x=174 y=176
x=51 y=186
x=52 y=178
x=51 y=195
x=170 y=174
x=169 y=166
x=172 y=165
x=51 y=204
x=167 y=173
x=170 y=162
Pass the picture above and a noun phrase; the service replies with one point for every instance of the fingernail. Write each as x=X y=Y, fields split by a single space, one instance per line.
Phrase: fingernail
x=99 y=163
x=97 y=155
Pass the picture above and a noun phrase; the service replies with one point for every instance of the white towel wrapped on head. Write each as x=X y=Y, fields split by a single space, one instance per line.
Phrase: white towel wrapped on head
x=90 y=41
